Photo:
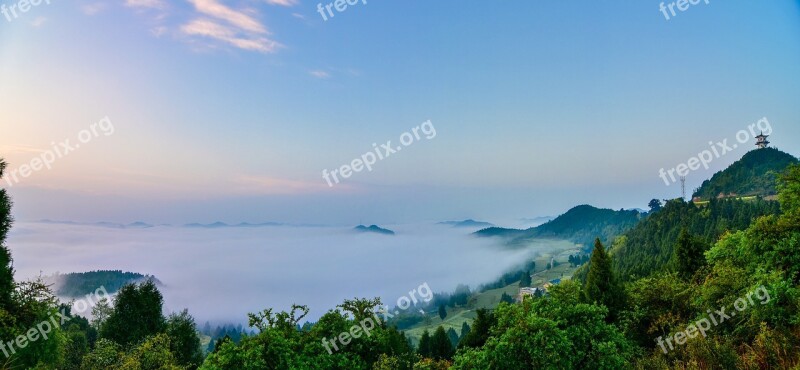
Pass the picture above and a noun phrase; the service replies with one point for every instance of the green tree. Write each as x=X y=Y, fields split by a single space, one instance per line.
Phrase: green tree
x=442 y=312
x=424 y=346
x=6 y=262
x=601 y=284
x=137 y=314
x=441 y=348
x=183 y=339
x=655 y=205
x=554 y=332
x=688 y=254
x=478 y=334
x=100 y=313
x=453 y=336
x=789 y=191
x=465 y=329
x=526 y=279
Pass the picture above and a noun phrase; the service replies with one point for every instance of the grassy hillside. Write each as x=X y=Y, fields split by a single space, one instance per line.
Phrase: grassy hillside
x=754 y=174
x=489 y=299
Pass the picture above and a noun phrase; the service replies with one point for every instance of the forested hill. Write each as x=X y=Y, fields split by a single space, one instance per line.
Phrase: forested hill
x=581 y=225
x=754 y=174
x=78 y=284
x=648 y=248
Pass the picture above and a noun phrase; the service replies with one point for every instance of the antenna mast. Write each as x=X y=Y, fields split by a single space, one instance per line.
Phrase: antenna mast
x=683 y=187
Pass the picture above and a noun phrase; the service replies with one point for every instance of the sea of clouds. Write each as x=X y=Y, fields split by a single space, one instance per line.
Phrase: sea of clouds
x=222 y=274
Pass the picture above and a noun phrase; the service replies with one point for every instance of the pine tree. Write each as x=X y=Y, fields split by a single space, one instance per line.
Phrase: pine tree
x=601 y=284
x=526 y=280
x=453 y=336
x=441 y=349
x=424 y=347
x=442 y=312
x=480 y=331
x=464 y=331
x=6 y=262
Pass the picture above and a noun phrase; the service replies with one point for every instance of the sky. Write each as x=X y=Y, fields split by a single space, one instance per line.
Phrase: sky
x=231 y=110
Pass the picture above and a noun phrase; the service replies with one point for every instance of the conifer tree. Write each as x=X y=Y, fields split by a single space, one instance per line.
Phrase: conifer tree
x=6 y=262
x=601 y=284
x=424 y=347
x=441 y=348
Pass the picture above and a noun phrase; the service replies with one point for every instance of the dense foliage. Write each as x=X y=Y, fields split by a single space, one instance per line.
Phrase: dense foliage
x=649 y=247
x=754 y=174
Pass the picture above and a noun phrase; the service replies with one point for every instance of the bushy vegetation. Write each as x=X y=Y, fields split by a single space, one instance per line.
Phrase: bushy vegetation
x=648 y=248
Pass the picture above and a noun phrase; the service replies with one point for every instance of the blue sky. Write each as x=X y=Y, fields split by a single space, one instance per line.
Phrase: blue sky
x=230 y=110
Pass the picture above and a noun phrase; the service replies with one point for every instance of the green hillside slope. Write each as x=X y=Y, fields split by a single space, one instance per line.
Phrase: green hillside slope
x=754 y=174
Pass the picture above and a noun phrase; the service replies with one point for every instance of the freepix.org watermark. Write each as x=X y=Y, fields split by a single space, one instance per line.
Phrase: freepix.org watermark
x=23 y=6
x=682 y=5
x=715 y=151
x=366 y=326
x=339 y=5
x=56 y=320
x=716 y=317
x=380 y=153
x=59 y=150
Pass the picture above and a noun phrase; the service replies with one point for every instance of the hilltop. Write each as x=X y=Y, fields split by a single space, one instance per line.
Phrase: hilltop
x=581 y=224
x=373 y=229
x=754 y=174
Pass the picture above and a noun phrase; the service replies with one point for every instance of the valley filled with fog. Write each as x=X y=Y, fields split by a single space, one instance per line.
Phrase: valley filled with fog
x=221 y=274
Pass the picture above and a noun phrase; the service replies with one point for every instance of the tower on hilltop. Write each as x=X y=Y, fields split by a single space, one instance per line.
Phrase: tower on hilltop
x=761 y=141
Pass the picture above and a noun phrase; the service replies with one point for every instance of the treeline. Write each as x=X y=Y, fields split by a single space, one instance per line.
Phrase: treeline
x=80 y=284
x=648 y=248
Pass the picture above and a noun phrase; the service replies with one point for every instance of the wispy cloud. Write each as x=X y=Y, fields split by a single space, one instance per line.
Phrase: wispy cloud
x=320 y=74
x=153 y=4
x=93 y=8
x=159 y=31
x=276 y=186
x=211 y=29
x=20 y=149
x=210 y=24
x=235 y=18
x=283 y=2
x=38 y=22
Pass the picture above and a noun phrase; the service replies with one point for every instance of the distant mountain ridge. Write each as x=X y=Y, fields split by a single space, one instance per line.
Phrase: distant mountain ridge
x=373 y=229
x=466 y=223
x=581 y=224
x=113 y=225
x=217 y=225
x=754 y=174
